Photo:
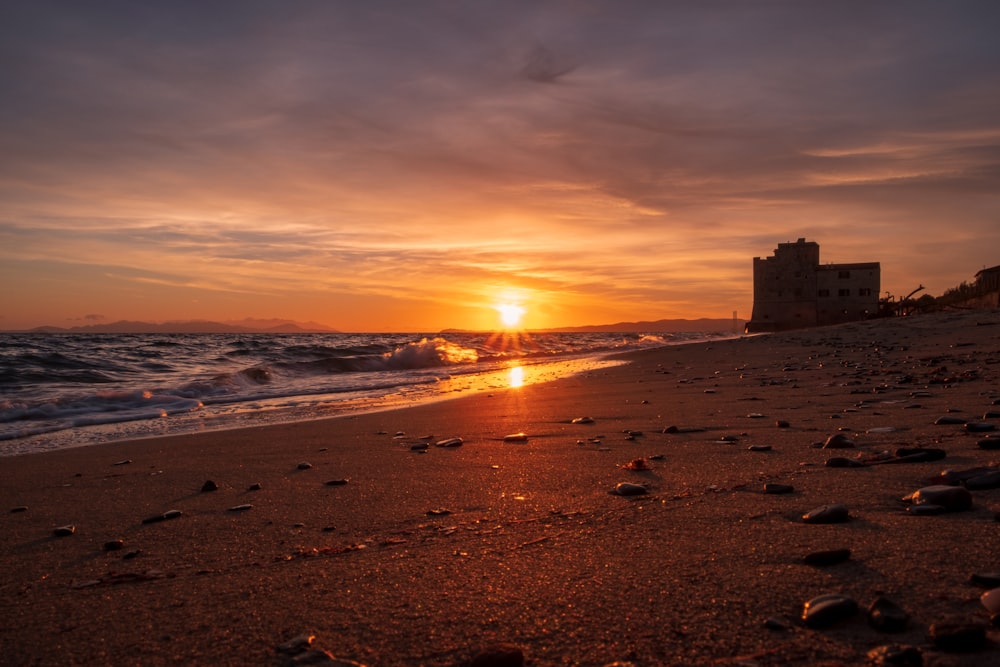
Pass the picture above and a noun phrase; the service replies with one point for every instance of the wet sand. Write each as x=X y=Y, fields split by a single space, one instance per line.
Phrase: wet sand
x=428 y=558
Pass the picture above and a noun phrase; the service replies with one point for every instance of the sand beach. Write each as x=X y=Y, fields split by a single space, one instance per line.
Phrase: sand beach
x=390 y=553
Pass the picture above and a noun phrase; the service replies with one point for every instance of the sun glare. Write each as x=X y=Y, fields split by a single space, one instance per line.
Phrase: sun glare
x=510 y=314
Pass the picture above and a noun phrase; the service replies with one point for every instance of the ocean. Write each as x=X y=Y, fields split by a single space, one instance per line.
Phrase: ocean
x=69 y=390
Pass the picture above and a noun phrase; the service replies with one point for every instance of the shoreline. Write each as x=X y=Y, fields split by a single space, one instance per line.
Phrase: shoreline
x=428 y=558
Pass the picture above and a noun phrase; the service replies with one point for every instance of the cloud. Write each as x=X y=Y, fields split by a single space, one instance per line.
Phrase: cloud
x=640 y=153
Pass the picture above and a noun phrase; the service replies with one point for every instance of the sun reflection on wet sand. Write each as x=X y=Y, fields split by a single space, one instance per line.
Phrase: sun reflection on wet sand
x=516 y=377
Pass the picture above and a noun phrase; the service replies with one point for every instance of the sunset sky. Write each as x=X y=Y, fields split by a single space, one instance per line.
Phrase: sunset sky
x=410 y=166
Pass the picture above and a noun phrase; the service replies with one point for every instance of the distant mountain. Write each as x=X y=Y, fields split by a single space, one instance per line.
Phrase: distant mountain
x=192 y=326
x=703 y=325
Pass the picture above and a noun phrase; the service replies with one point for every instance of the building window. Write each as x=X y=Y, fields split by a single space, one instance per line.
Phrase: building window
x=865 y=291
x=844 y=292
x=844 y=274
x=824 y=292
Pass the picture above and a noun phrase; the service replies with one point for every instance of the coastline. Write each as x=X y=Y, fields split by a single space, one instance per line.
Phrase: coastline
x=427 y=558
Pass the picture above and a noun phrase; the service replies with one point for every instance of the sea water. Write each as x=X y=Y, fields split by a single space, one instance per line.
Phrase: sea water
x=66 y=390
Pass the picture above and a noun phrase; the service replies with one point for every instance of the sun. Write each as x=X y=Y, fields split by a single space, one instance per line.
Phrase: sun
x=510 y=314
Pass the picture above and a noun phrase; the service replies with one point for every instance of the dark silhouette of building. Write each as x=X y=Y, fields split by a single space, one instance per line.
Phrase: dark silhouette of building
x=792 y=290
x=988 y=280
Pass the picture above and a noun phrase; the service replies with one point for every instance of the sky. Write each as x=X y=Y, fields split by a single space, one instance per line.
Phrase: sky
x=415 y=165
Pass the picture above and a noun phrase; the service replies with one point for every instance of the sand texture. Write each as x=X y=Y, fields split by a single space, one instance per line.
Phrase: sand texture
x=429 y=557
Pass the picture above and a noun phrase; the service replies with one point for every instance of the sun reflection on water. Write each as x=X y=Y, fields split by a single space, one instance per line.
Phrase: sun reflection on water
x=516 y=377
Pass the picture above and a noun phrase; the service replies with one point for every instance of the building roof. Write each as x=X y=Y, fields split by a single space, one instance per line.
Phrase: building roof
x=992 y=269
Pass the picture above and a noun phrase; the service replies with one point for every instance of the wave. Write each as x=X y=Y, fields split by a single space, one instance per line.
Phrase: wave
x=51 y=383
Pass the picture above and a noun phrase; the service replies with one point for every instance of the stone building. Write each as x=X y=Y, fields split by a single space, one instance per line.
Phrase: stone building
x=792 y=290
x=988 y=280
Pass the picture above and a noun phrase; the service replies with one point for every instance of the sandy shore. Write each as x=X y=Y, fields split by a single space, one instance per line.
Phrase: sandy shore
x=427 y=558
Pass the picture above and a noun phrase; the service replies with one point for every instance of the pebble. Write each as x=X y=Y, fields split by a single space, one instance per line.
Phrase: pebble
x=516 y=437
x=759 y=448
x=956 y=477
x=948 y=421
x=166 y=516
x=838 y=441
x=920 y=454
x=892 y=655
x=836 y=513
x=630 y=489
x=991 y=600
x=419 y=447
x=684 y=429
x=825 y=610
x=254 y=487
x=952 y=498
x=209 y=486
x=583 y=420
x=844 y=462
x=958 y=636
x=775 y=623
x=990 y=480
x=989 y=443
x=637 y=464
x=305 y=465
x=986 y=579
x=296 y=644
x=827 y=557
x=122 y=463
x=19 y=508
x=776 y=489
x=449 y=442
x=781 y=423
x=114 y=545
x=64 y=531
x=886 y=616
x=336 y=482
x=240 y=508
x=980 y=427
x=502 y=655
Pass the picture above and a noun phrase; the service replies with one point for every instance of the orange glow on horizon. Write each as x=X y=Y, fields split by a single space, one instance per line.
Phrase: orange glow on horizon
x=510 y=314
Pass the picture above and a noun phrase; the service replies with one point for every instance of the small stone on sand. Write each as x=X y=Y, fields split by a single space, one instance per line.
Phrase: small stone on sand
x=166 y=516
x=836 y=513
x=503 y=655
x=886 y=616
x=838 y=441
x=64 y=531
x=952 y=498
x=516 y=437
x=825 y=610
x=630 y=489
x=958 y=636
